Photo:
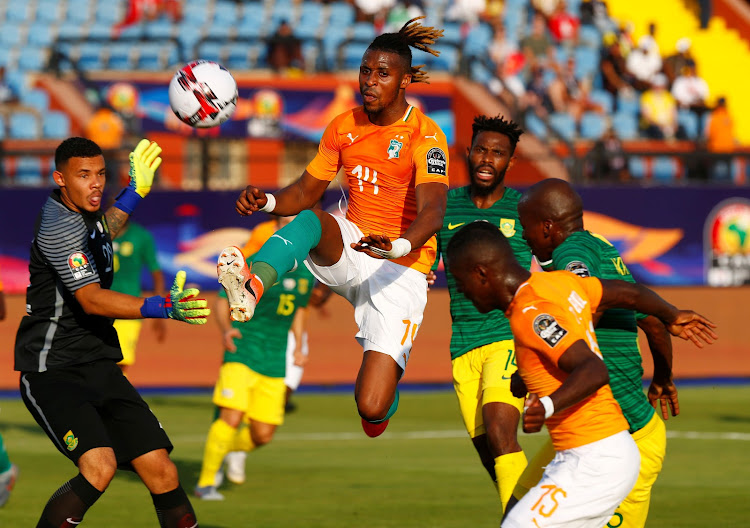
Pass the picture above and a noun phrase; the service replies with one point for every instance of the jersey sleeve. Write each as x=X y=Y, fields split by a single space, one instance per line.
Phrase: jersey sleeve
x=258 y=237
x=64 y=246
x=326 y=164
x=152 y=263
x=431 y=157
x=578 y=259
x=592 y=286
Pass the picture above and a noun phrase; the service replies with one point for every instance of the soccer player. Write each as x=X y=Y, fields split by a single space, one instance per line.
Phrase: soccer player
x=251 y=380
x=67 y=349
x=482 y=350
x=395 y=160
x=551 y=213
x=134 y=248
x=8 y=471
x=558 y=359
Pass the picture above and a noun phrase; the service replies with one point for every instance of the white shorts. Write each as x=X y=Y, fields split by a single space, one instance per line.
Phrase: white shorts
x=294 y=372
x=388 y=298
x=581 y=487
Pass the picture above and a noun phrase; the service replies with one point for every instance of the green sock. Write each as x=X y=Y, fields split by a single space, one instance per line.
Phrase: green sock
x=4 y=460
x=287 y=248
x=391 y=410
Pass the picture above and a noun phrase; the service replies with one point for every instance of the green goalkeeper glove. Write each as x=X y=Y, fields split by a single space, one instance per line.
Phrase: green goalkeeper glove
x=181 y=304
x=144 y=161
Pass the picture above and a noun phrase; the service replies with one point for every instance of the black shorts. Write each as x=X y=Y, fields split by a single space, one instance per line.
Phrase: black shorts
x=92 y=405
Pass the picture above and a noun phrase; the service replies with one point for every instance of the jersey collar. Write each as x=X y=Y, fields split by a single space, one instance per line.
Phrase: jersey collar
x=408 y=113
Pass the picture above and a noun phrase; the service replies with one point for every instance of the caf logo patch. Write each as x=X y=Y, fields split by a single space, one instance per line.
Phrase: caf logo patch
x=436 y=161
x=547 y=328
x=508 y=227
x=579 y=268
x=70 y=440
x=79 y=265
x=394 y=148
x=289 y=283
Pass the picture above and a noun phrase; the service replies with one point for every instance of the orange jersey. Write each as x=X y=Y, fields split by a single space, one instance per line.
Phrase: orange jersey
x=258 y=237
x=383 y=166
x=550 y=312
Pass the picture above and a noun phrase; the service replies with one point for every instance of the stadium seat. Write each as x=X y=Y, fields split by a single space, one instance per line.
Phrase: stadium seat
x=46 y=12
x=447 y=61
x=225 y=13
x=665 y=168
x=79 y=12
x=120 y=56
x=90 y=56
x=42 y=34
x=637 y=167
x=478 y=40
x=593 y=125
x=589 y=36
x=625 y=125
x=479 y=72
x=237 y=56
x=604 y=99
x=23 y=126
x=311 y=52
x=362 y=32
x=310 y=21
x=340 y=15
x=132 y=32
x=689 y=122
x=20 y=13
x=252 y=24
x=39 y=99
x=2 y=128
x=159 y=29
x=535 y=125
x=150 y=57
x=17 y=80
x=70 y=32
x=10 y=34
x=259 y=55
x=28 y=171
x=56 y=125
x=32 y=59
x=212 y=51
x=109 y=13
x=99 y=32
x=587 y=62
x=564 y=124
x=451 y=34
x=350 y=55
x=629 y=105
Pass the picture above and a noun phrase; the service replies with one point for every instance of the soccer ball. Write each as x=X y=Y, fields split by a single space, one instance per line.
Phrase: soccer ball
x=203 y=94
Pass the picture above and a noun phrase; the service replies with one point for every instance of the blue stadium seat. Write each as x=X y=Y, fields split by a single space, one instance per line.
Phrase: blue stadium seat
x=48 y=11
x=312 y=54
x=625 y=125
x=564 y=124
x=259 y=55
x=78 y=12
x=447 y=61
x=10 y=34
x=479 y=72
x=451 y=34
x=32 y=59
x=665 y=168
x=99 y=32
x=362 y=32
x=150 y=57
x=351 y=55
x=604 y=99
x=39 y=99
x=159 y=29
x=23 y=126
x=70 y=32
x=310 y=21
x=211 y=51
x=225 y=13
x=637 y=167
x=587 y=62
x=188 y=35
x=28 y=171
x=477 y=40
x=195 y=15
x=90 y=56
x=2 y=128
x=132 y=32
x=589 y=36
x=535 y=125
x=252 y=24
x=689 y=122
x=109 y=13
x=17 y=80
x=238 y=56
x=629 y=105
x=593 y=125
x=20 y=12
x=41 y=34
x=56 y=125
x=120 y=56
x=340 y=14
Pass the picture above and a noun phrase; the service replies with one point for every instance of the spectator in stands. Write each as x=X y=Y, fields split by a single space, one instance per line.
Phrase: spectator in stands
x=401 y=13
x=608 y=159
x=616 y=78
x=594 y=12
x=508 y=62
x=536 y=96
x=7 y=95
x=644 y=61
x=674 y=64
x=568 y=94
x=659 y=111
x=545 y=7
x=285 y=50
x=721 y=139
x=625 y=38
x=563 y=25
x=467 y=12
x=138 y=11
x=691 y=92
x=537 y=46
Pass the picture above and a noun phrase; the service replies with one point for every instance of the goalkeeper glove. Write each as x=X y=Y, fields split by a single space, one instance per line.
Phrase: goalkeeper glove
x=144 y=161
x=181 y=305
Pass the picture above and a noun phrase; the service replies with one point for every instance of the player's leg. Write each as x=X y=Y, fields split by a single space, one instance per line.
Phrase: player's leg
x=376 y=390
x=293 y=372
x=312 y=232
x=501 y=412
x=159 y=474
x=8 y=474
x=651 y=440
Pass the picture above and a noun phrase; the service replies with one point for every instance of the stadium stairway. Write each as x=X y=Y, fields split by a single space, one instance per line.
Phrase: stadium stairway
x=720 y=52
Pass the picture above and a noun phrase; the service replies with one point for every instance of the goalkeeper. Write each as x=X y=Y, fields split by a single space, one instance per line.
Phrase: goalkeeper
x=67 y=349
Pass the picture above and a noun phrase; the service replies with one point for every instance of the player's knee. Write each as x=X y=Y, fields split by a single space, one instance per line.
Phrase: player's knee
x=261 y=438
x=502 y=439
x=371 y=408
x=99 y=475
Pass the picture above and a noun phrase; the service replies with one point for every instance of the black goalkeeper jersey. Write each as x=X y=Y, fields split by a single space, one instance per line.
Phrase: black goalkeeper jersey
x=70 y=250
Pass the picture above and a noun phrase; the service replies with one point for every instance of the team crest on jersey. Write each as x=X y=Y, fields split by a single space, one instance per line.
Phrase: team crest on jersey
x=508 y=227
x=547 y=327
x=289 y=283
x=436 y=161
x=80 y=266
x=71 y=442
x=579 y=268
x=394 y=148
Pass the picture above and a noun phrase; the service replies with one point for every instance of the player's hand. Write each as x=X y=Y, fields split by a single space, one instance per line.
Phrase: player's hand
x=689 y=325
x=160 y=330
x=533 y=414
x=431 y=276
x=300 y=359
x=144 y=160
x=664 y=392
x=229 y=336
x=185 y=304
x=250 y=201
x=366 y=245
x=517 y=386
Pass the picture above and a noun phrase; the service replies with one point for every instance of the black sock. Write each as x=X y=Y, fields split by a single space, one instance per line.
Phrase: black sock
x=174 y=510
x=68 y=504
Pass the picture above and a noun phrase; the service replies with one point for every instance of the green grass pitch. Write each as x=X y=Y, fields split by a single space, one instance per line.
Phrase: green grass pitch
x=321 y=471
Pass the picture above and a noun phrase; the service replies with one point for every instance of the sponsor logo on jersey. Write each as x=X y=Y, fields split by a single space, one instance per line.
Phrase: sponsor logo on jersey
x=80 y=266
x=451 y=226
x=436 y=161
x=70 y=440
x=547 y=327
x=508 y=227
x=394 y=148
x=579 y=268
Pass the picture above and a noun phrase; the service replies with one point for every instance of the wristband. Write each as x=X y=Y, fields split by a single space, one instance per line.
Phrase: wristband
x=399 y=248
x=127 y=200
x=156 y=307
x=549 y=407
x=270 y=204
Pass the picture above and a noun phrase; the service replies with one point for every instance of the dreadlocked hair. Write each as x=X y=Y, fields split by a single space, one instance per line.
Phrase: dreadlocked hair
x=414 y=35
x=483 y=123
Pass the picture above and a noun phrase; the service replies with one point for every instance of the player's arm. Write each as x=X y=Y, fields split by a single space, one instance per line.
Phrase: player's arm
x=662 y=388
x=300 y=195
x=586 y=374
x=159 y=328
x=684 y=324
x=144 y=160
x=180 y=304
x=299 y=324
x=223 y=319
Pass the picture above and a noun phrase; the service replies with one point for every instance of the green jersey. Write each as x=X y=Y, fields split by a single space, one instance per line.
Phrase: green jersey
x=588 y=254
x=472 y=329
x=263 y=343
x=133 y=250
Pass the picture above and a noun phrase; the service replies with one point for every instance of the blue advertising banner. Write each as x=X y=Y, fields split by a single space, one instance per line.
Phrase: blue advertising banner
x=667 y=236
